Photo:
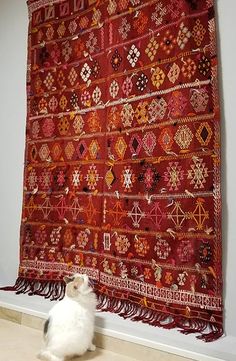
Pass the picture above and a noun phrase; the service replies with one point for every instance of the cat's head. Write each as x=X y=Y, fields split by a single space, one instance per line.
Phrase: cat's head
x=77 y=285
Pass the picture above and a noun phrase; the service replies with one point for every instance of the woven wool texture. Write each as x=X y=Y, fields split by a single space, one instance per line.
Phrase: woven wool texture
x=122 y=162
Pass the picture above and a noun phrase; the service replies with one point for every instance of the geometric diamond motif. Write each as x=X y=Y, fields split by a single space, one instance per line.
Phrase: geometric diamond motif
x=127 y=178
x=199 y=215
x=61 y=30
x=127 y=114
x=199 y=100
x=44 y=152
x=117 y=213
x=177 y=216
x=46 y=208
x=91 y=212
x=166 y=139
x=49 y=81
x=32 y=179
x=198 y=32
x=85 y=72
x=136 y=214
x=177 y=104
x=156 y=215
x=76 y=178
x=189 y=68
x=92 y=177
x=204 y=134
x=135 y=144
x=120 y=147
x=61 y=208
x=162 y=249
x=72 y=76
x=173 y=176
x=33 y=153
x=157 y=109
x=75 y=209
x=149 y=176
x=93 y=149
x=149 y=142
x=56 y=151
x=198 y=173
x=72 y=27
x=173 y=73
x=69 y=150
x=183 y=136
x=78 y=124
x=63 y=126
x=133 y=55
x=82 y=149
x=31 y=206
x=110 y=178
x=61 y=78
x=183 y=36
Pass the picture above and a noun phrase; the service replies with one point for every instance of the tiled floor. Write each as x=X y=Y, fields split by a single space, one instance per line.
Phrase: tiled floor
x=20 y=343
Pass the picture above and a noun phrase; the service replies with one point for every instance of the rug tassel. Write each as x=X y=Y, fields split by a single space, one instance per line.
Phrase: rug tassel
x=53 y=290
x=126 y=309
x=215 y=334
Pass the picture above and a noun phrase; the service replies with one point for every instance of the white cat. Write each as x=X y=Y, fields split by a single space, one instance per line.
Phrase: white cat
x=69 y=329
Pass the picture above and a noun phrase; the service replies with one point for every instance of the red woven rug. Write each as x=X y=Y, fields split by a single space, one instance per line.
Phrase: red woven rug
x=122 y=163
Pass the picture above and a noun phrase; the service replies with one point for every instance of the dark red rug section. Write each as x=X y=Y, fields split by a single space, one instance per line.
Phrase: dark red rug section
x=122 y=160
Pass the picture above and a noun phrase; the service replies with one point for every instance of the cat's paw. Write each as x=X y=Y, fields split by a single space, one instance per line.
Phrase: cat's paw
x=92 y=347
x=41 y=356
x=48 y=356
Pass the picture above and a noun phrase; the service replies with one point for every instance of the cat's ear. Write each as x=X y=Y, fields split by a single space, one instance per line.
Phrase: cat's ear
x=68 y=279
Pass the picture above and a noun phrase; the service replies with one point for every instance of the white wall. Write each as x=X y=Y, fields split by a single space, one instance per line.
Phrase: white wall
x=13 y=40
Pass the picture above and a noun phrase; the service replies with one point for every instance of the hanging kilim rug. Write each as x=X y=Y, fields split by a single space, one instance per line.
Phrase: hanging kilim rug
x=122 y=163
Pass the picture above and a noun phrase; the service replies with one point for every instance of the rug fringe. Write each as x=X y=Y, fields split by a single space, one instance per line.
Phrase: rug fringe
x=55 y=290
x=124 y=308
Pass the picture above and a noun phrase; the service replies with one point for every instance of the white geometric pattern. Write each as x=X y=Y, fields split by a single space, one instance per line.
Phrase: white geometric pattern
x=133 y=55
x=136 y=214
x=198 y=173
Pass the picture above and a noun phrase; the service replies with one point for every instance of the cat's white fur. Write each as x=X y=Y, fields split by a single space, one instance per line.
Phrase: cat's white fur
x=71 y=322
